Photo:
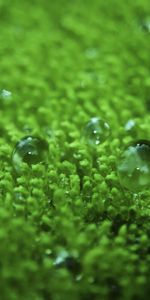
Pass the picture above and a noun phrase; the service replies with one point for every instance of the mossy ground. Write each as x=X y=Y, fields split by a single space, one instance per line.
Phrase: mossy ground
x=65 y=62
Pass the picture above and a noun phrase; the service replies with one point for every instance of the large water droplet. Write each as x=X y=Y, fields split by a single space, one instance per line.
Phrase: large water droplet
x=134 y=166
x=96 y=131
x=29 y=150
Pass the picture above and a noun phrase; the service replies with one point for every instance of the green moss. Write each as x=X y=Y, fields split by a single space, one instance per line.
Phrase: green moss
x=63 y=63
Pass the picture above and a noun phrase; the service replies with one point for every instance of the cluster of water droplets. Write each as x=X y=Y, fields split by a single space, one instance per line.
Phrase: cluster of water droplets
x=133 y=167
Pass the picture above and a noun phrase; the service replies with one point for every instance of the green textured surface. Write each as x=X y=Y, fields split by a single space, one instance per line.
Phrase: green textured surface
x=65 y=62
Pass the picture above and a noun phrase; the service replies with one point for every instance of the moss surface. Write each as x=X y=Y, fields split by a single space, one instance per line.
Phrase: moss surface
x=68 y=230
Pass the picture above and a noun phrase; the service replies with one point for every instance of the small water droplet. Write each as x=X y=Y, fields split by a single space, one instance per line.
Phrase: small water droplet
x=29 y=150
x=130 y=125
x=79 y=277
x=61 y=258
x=96 y=131
x=18 y=197
x=5 y=95
x=68 y=261
x=145 y=25
x=134 y=166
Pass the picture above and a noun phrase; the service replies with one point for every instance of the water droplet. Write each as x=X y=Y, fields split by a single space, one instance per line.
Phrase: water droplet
x=96 y=131
x=18 y=197
x=68 y=261
x=134 y=166
x=29 y=150
x=145 y=25
x=130 y=125
x=79 y=277
x=5 y=95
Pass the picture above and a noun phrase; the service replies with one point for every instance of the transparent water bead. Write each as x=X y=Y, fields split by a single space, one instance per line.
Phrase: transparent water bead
x=96 y=131
x=130 y=125
x=29 y=150
x=134 y=166
x=145 y=25
x=5 y=95
x=65 y=260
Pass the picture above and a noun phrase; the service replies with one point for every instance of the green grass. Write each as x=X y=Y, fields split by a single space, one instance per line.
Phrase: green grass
x=65 y=62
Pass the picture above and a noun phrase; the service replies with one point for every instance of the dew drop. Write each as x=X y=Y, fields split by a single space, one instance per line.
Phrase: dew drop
x=130 y=125
x=5 y=95
x=134 y=166
x=68 y=261
x=29 y=150
x=96 y=131
x=145 y=25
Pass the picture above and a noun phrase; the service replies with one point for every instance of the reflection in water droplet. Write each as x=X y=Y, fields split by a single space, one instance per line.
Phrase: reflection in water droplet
x=96 y=131
x=134 y=166
x=130 y=125
x=5 y=95
x=65 y=260
x=29 y=150
x=145 y=25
